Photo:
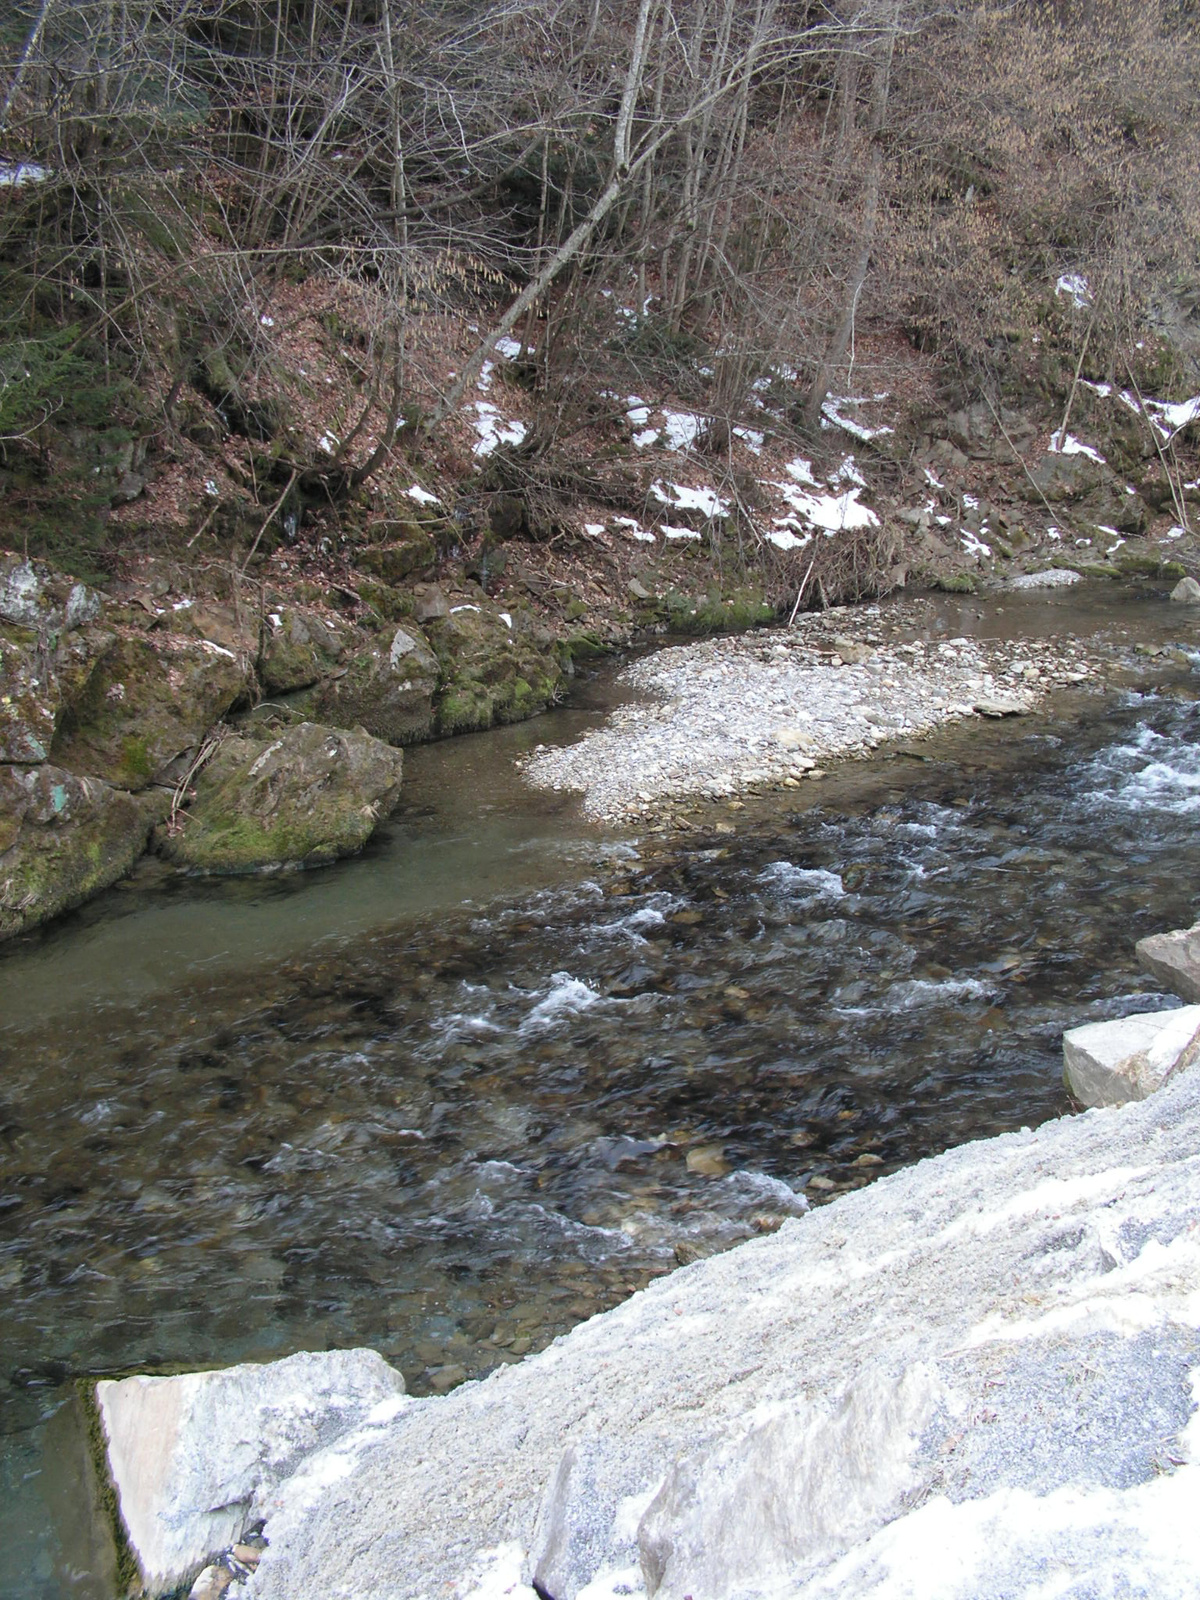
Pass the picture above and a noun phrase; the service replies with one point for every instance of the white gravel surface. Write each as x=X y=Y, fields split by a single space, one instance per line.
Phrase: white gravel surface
x=731 y=714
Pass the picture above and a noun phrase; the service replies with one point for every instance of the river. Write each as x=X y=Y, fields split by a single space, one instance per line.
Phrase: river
x=451 y=1098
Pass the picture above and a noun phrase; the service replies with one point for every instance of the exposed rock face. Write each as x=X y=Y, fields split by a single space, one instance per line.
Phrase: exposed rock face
x=301 y=798
x=882 y=1399
x=387 y=691
x=493 y=671
x=62 y=840
x=143 y=703
x=35 y=596
x=1108 y=1063
x=1174 y=959
x=192 y=1458
x=297 y=649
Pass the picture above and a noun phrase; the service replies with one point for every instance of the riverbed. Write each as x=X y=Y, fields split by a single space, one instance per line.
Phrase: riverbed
x=458 y=1095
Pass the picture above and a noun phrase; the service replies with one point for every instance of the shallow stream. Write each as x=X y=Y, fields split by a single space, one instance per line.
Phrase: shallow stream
x=454 y=1097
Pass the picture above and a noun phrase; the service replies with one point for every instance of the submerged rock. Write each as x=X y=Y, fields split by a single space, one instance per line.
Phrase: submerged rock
x=299 y=799
x=1108 y=1063
x=193 y=1458
x=62 y=840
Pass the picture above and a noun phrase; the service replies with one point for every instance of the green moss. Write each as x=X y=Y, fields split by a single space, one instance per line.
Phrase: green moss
x=586 y=645
x=136 y=760
x=953 y=582
x=128 y=1577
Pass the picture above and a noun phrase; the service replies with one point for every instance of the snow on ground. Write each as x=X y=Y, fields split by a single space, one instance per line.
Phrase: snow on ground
x=1076 y=287
x=1071 y=446
x=14 y=174
x=493 y=430
x=680 y=498
x=833 y=414
x=422 y=496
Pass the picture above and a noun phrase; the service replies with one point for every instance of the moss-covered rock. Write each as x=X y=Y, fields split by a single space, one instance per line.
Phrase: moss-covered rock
x=407 y=553
x=62 y=840
x=296 y=649
x=146 y=700
x=387 y=688
x=301 y=797
x=496 y=668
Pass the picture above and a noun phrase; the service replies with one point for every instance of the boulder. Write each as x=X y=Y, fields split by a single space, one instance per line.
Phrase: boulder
x=191 y=1458
x=493 y=670
x=299 y=798
x=1000 y=705
x=145 y=700
x=1186 y=592
x=387 y=689
x=62 y=840
x=296 y=649
x=41 y=676
x=975 y=431
x=1108 y=1063
x=1071 y=477
x=1174 y=959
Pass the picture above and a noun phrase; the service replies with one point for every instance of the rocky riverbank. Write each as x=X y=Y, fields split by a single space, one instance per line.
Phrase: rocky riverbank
x=225 y=741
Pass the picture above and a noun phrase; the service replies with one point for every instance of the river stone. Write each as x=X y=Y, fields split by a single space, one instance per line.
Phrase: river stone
x=386 y=688
x=62 y=840
x=192 y=1457
x=1186 y=592
x=297 y=649
x=1174 y=959
x=1000 y=705
x=1052 y=578
x=33 y=595
x=145 y=700
x=1108 y=1063
x=299 y=799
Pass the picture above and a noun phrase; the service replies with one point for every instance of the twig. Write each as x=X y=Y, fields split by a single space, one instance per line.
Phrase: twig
x=1176 y=489
x=203 y=756
x=295 y=473
x=800 y=591
x=1008 y=441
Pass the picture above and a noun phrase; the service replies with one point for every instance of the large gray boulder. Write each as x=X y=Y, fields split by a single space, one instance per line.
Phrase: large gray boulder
x=972 y=1380
x=387 y=689
x=301 y=797
x=1108 y=1063
x=1186 y=592
x=191 y=1458
x=1174 y=959
x=34 y=595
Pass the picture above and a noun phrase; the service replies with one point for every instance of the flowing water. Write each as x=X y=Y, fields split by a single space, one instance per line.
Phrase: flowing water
x=454 y=1097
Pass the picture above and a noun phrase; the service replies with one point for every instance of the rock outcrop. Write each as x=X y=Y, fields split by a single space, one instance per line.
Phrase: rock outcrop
x=193 y=1458
x=301 y=797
